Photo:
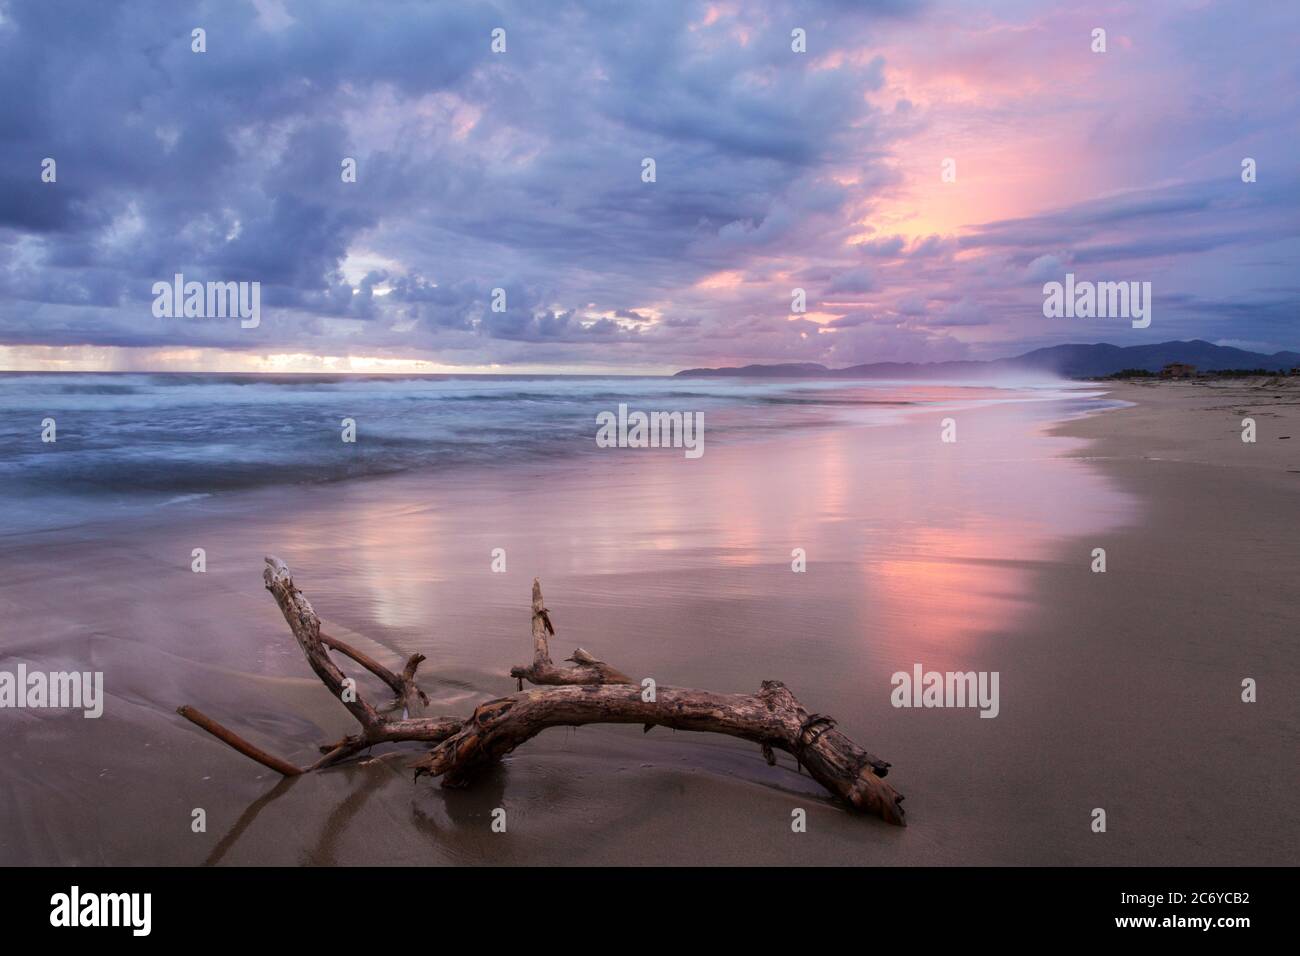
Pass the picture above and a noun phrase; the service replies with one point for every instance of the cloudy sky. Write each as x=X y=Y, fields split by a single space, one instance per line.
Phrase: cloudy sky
x=522 y=171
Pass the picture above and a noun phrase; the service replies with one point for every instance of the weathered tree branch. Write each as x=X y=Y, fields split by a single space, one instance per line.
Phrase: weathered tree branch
x=410 y=698
x=413 y=699
x=426 y=729
x=429 y=730
x=233 y=739
x=365 y=660
x=586 y=669
x=375 y=728
x=772 y=718
x=304 y=623
x=589 y=692
x=403 y=685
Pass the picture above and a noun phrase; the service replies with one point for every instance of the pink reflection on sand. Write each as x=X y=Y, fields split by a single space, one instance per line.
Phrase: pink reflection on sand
x=913 y=547
x=945 y=596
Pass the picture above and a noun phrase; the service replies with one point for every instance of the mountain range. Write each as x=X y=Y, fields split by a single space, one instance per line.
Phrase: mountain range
x=1070 y=361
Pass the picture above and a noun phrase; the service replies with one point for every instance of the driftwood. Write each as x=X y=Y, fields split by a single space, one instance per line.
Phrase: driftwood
x=375 y=728
x=588 y=692
x=585 y=670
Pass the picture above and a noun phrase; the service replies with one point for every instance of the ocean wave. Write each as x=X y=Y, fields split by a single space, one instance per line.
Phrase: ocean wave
x=158 y=437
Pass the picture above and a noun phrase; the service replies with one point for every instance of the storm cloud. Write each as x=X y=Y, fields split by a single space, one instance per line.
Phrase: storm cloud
x=500 y=217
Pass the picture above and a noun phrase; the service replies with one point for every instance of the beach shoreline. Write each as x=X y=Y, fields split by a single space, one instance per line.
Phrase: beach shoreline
x=1200 y=597
x=1120 y=690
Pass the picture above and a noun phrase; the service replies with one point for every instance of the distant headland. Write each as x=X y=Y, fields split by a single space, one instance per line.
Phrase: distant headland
x=1069 y=361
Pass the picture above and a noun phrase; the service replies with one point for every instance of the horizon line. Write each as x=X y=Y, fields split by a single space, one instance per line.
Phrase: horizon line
x=301 y=364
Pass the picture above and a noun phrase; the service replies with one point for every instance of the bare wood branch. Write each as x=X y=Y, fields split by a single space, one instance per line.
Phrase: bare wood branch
x=429 y=730
x=586 y=669
x=376 y=729
x=413 y=699
x=589 y=692
x=773 y=718
x=233 y=739
x=365 y=660
x=304 y=623
x=409 y=695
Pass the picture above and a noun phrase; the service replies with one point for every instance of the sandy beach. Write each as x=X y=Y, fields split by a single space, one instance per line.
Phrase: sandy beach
x=1118 y=690
x=1199 y=596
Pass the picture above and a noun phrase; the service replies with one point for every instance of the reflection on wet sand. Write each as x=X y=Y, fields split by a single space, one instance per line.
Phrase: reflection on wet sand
x=675 y=568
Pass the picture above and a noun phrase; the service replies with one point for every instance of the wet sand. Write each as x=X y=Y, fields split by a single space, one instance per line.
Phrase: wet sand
x=1118 y=690
x=1204 y=593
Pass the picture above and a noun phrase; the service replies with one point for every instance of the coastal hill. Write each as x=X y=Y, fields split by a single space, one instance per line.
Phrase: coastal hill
x=1071 y=361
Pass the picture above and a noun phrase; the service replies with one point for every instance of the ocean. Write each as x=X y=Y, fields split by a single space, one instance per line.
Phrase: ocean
x=124 y=443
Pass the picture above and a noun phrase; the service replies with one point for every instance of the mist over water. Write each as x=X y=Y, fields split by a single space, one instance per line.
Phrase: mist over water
x=140 y=441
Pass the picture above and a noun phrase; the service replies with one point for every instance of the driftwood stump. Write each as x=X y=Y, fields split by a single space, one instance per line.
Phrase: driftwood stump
x=588 y=692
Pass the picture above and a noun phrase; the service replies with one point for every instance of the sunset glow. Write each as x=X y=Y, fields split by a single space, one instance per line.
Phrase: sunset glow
x=918 y=171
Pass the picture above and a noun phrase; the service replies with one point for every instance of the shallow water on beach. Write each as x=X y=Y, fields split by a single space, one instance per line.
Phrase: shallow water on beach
x=918 y=551
x=125 y=444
